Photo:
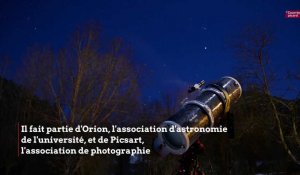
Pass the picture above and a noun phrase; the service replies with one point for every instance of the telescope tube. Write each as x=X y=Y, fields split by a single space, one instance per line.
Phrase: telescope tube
x=205 y=110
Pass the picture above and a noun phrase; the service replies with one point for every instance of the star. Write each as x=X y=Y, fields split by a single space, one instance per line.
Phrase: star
x=205 y=47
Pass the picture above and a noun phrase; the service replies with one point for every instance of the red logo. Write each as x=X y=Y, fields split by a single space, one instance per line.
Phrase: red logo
x=292 y=14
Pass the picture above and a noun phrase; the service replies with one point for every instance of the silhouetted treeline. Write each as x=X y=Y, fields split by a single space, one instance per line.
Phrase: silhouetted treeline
x=255 y=148
x=92 y=82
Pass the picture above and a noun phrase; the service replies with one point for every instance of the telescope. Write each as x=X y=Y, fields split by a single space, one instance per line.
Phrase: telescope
x=206 y=110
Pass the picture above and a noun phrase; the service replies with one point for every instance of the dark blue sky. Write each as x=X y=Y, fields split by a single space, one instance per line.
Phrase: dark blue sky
x=179 y=42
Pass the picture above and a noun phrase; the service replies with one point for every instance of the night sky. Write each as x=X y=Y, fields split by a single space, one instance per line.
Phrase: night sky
x=178 y=42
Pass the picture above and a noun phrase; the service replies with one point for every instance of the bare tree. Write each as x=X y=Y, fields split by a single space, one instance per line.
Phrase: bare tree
x=87 y=82
x=256 y=69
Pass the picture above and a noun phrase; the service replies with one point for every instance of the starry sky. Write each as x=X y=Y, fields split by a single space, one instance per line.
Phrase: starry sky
x=179 y=42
